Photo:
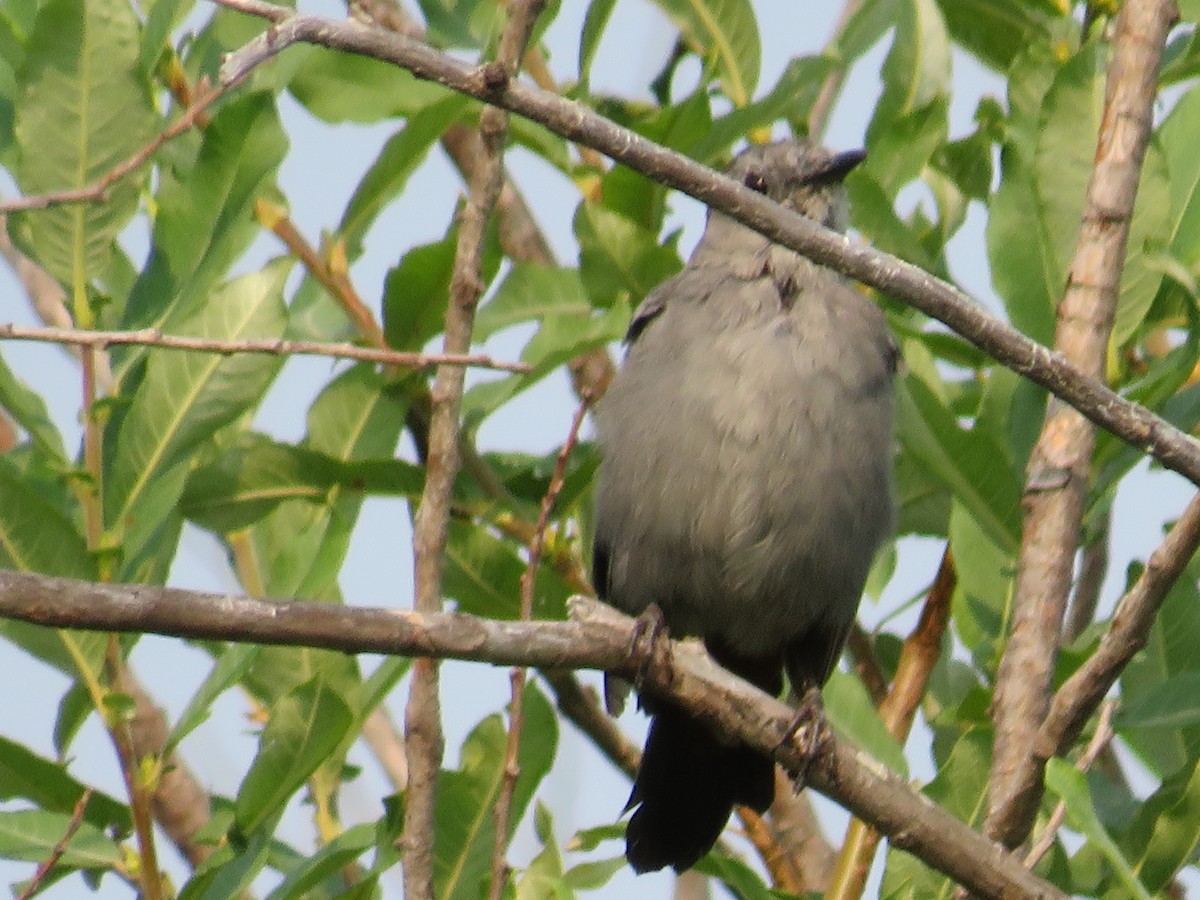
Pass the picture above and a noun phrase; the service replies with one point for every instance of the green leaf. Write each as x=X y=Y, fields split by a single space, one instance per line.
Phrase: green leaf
x=357 y=416
x=734 y=874
x=483 y=575
x=724 y=32
x=868 y=23
x=230 y=871
x=1070 y=785
x=1170 y=652
x=31 y=836
x=1183 y=167
x=917 y=69
x=187 y=396
x=304 y=727
x=531 y=292
x=255 y=474
x=569 y=326
x=25 y=775
x=682 y=126
x=161 y=19
x=233 y=663
x=995 y=31
x=965 y=463
x=328 y=862
x=594 y=23
x=985 y=573
x=899 y=149
x=874 y=214
x=465 y=828
x=618 y=257
x=347 y=87
x=35 y=534
x=460 y=23
x=205 y=218
x=1022 y=269
x=416 y=291
x=28 y=410
x=853 y=715
x=398 y=159
x=84 y=107
x=791 y=98
x=1175 y=704
x=961 y=788
x=1166 y=830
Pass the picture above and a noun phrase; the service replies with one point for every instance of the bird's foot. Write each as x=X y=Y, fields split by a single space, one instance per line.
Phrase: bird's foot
x=651 y=644
x=809 y=730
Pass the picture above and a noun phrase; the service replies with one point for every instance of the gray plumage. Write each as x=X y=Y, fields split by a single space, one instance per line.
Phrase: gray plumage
x=745 y=482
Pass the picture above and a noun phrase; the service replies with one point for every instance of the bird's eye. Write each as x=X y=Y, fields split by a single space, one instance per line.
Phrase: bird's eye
x=755 y=182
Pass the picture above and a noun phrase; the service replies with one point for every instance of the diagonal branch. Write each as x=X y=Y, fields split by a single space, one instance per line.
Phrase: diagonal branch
x=1082 y=693
x=1059 y=467
x=1129 y=421
x=598 y=637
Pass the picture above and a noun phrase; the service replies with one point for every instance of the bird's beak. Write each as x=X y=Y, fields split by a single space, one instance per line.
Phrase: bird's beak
x=838 y=167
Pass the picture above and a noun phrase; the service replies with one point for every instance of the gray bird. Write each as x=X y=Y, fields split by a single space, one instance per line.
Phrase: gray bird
x=744 y=488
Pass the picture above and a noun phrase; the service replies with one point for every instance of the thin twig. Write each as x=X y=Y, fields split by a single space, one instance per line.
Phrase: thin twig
x=90 y=496
x=59 y=848
x=584 y=709
x=257 y=8
x=423 y=715
x=512 y=767
x=1100 y=739
x=866 y=664
x=152 y=337
x=335 y=281
x=597 y=637
x=1059 y=468
x=1083 y=692
x=1129 y=421
x=1093 y=566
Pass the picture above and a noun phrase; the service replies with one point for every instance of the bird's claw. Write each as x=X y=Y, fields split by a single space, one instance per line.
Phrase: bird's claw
x=809 y=731
x=650 y=644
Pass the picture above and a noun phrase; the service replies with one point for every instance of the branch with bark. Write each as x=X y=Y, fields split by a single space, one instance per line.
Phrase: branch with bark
x=597 y=637
x=1058 y=473
x=1130 y=421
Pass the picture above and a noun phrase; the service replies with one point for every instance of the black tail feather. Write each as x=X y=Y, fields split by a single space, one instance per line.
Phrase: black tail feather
x=686 y=788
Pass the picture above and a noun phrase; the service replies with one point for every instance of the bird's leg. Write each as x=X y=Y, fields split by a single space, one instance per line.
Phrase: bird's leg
x=809 y=730
x=651 y=643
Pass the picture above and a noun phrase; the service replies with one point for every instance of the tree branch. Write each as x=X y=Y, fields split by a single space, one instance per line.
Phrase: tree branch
x=423 y=715
x=598 y=637
x=1082 y=693
x=1129 y=421
x=152 y=337
x=1059 y=467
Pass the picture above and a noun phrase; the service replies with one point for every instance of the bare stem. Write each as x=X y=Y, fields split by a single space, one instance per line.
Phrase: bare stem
x=152 y=337
x=59 y=848
x=423 y=715
x=512 y=769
